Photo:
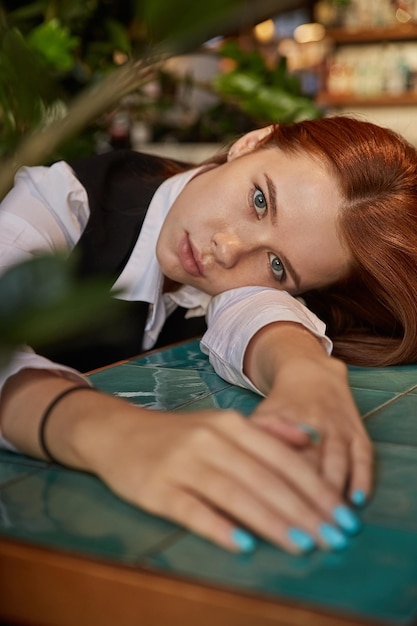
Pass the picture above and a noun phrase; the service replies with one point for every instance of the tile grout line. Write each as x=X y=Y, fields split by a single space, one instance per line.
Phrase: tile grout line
x=208 y=394
x=388 y=402
x=17 y=479
x=161 y=545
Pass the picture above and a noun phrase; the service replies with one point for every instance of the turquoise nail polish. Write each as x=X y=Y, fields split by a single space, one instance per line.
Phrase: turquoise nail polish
x=346 y=518
x=333 y=537
x=244 y=541
x=358 y=497
x=314 y=435
x=302 y=540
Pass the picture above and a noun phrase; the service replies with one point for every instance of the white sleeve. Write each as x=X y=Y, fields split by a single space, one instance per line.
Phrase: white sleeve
x=46 y=211
x=235 y=316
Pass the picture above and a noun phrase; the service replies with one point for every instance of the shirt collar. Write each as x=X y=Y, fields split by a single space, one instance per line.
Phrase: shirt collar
x=141 y=278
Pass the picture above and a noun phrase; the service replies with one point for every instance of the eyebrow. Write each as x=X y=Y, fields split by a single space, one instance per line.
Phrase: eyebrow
x=272 y=194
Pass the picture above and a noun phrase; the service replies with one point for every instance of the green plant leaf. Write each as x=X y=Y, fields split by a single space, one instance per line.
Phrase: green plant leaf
x=237 y=83
x=54 y=43
x=25 y=83
x=119 y=36
x=42 y=301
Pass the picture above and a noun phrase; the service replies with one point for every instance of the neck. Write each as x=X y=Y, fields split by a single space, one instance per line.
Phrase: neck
x=170 y=285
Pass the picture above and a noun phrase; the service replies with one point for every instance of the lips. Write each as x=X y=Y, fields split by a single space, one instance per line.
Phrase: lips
x=187 y=257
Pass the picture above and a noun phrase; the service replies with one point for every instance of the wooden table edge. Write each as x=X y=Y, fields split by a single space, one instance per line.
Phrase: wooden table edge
x=49 y=587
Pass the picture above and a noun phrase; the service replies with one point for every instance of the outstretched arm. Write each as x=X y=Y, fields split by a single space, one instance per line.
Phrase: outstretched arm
x=267 y=341
x=201 y=469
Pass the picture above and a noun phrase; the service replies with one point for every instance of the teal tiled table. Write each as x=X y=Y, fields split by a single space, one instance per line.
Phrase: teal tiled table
x=73 y=553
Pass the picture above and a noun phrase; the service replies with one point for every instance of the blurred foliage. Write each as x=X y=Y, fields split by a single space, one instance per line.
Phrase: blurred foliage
x=266 y=92
x=251 y=90
x=43 y=301
x=341 y=3
x=51 y=50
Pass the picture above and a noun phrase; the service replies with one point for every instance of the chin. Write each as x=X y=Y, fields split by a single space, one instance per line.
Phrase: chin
x=209 y=290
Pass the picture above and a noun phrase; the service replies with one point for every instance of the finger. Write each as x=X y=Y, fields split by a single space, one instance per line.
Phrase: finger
x=360 y=485
x=200 y=517
x=212 y=517
x=313 y=455
x=260 y=520
x=280 y=459
x=296 y=434
x=190 y=511
x=335 y=462
x=275 y=503
x=198 y=514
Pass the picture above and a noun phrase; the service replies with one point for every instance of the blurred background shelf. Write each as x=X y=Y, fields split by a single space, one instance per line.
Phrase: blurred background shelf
x=351 y=100
x=378 y=34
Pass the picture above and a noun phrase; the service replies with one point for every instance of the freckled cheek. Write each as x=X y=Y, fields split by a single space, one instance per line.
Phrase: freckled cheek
x=243 y=276
x=219 y=280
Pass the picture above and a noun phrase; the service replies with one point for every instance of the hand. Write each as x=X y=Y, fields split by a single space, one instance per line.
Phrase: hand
x=216 y=473
x=316 y=393
x=304 y=385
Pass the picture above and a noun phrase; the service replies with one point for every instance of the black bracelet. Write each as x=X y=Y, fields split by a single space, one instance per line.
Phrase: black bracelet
x=46 y=416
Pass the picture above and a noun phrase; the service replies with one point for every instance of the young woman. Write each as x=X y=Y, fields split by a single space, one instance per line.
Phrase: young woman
x=249 y=229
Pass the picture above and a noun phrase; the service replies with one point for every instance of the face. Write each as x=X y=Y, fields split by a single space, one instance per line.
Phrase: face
x=265 y=218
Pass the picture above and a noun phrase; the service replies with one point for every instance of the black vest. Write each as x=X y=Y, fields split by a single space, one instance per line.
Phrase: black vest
x=120 y=186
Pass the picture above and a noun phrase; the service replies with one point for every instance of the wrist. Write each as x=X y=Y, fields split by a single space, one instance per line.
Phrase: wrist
x=24 y=400
x=84 y=430
x=48 y=415
x=279 y=346
x=100 y=432
x=310 y=366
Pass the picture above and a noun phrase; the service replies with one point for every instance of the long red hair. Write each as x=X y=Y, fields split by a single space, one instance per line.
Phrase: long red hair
x=371 y=315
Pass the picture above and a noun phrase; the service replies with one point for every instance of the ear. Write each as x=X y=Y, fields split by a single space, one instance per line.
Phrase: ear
x=248 y=142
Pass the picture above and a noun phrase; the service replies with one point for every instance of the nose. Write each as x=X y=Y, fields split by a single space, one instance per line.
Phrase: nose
x=227 y=248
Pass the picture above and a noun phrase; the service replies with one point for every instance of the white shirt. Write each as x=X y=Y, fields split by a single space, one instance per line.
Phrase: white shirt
x=47 y=210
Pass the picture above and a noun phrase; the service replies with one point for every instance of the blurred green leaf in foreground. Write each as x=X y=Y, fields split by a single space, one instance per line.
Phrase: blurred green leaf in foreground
x=42 y=301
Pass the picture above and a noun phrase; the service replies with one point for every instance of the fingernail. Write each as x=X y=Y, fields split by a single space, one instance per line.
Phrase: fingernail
x=314 y=435
x=244 y=541
x=332 y=536
x=346 y=518
x=358 y=497
x=302 y=540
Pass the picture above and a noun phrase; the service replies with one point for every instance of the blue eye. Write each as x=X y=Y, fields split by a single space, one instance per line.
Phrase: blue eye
x=277 y=267
x=259 y=202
